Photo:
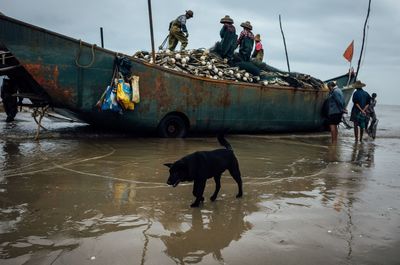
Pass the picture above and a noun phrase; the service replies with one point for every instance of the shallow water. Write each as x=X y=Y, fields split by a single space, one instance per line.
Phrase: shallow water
x=104 y=200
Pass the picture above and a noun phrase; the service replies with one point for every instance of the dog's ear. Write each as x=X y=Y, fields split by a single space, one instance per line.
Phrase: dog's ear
x=168 y=165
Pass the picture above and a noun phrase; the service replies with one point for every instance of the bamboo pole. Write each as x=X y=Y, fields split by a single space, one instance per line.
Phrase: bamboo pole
x=284 y=43
x=363 y=41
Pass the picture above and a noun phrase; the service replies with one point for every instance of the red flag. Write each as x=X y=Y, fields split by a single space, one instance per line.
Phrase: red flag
x=348 y=53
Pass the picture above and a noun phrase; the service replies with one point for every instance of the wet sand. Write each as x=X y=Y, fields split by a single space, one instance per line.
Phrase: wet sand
x=103 y=199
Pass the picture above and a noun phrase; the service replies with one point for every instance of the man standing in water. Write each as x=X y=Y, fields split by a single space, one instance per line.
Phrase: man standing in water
x=178 y=31
x=9 y=101
x=336 y=109
x=361 y=100
x=372 y=115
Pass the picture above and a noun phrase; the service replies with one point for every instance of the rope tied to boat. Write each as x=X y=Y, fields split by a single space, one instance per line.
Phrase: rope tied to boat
x=79 y=55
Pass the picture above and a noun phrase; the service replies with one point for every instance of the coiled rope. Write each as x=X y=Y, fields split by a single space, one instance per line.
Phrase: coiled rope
x=79 y=55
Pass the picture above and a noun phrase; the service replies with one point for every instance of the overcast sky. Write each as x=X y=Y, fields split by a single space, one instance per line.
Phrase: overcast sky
x=317 y=31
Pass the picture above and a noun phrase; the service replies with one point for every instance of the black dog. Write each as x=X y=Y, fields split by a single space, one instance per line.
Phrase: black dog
x=202 y=165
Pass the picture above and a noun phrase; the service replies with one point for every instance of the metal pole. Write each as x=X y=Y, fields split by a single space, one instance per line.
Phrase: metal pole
x=151 y=32
x=284 y=43
x=101 y=36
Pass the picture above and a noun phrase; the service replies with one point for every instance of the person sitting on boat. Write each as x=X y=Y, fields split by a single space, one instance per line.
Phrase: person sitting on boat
x=336 y=108
x=258 y=53
x=371 y=113
x=178 y=31
x=227 y=45
x=246 y=41
x=361 y=100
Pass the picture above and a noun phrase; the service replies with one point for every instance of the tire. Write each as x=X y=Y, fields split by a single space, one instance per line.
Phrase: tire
x=172 y=126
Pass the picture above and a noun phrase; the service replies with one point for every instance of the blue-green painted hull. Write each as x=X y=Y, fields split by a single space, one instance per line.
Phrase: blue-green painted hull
x=207 y=105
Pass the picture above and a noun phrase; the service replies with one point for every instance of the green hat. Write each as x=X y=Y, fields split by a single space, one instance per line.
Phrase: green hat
x=247 y=25
x=226 y=19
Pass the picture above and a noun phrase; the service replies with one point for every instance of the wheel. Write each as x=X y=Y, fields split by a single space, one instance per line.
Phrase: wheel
x=172 y=126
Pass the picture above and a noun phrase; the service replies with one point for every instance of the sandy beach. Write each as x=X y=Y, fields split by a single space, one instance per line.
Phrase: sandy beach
x=79 y=197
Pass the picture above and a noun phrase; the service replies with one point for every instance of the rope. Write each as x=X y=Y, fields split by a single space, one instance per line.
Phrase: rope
x=79 y=55
x=41 y=111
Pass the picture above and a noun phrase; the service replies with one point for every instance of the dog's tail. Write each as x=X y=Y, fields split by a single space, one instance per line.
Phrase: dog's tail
x=223 y=141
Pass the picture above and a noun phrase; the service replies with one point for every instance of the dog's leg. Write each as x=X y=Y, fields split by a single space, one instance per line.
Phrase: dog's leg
x=198 y=190
x=235 y=173
x=217 y=187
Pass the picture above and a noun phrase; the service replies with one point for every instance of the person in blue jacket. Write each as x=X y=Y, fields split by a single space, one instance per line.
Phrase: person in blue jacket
x=361 y=100
x=336 y=108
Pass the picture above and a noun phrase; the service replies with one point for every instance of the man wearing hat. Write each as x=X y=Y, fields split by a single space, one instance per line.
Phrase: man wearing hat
x=178 y=31
x=361 y=100
x=227 y=45
x=258 y=53
x=246 y=41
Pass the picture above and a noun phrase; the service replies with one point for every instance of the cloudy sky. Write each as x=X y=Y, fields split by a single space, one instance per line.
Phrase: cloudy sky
x=317 y=31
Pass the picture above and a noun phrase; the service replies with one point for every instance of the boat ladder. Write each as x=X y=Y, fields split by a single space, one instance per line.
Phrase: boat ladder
x=4 y=67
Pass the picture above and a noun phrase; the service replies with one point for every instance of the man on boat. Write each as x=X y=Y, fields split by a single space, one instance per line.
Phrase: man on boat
x=361 y=100
x=178 y=31
x=246 y=41
x=228 y=43
x=258 y=53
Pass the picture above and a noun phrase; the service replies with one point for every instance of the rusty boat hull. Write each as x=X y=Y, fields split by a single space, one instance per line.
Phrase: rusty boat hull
x=71 y=74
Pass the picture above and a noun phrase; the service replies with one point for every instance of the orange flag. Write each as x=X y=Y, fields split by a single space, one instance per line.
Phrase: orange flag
x=348 y=53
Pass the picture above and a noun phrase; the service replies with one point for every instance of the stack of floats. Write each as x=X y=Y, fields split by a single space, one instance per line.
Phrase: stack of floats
x=203 y=63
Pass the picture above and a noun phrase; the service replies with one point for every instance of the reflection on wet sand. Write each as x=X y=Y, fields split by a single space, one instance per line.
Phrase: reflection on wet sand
x=209 y=232
x=73 y=202
x=363 y=154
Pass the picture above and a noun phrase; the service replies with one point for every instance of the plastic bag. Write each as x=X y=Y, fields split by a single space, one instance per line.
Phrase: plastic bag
x=110 y=100
x=124 y=95
x=135 y=89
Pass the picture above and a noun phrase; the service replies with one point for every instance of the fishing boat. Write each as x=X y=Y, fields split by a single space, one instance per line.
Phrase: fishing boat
x=69 y=74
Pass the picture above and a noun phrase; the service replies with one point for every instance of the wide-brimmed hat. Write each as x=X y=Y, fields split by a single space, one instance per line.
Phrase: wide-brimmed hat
x=226 y=19
x=257 y=37
x=247 y=25
x=189 y=13
x=358 y=84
